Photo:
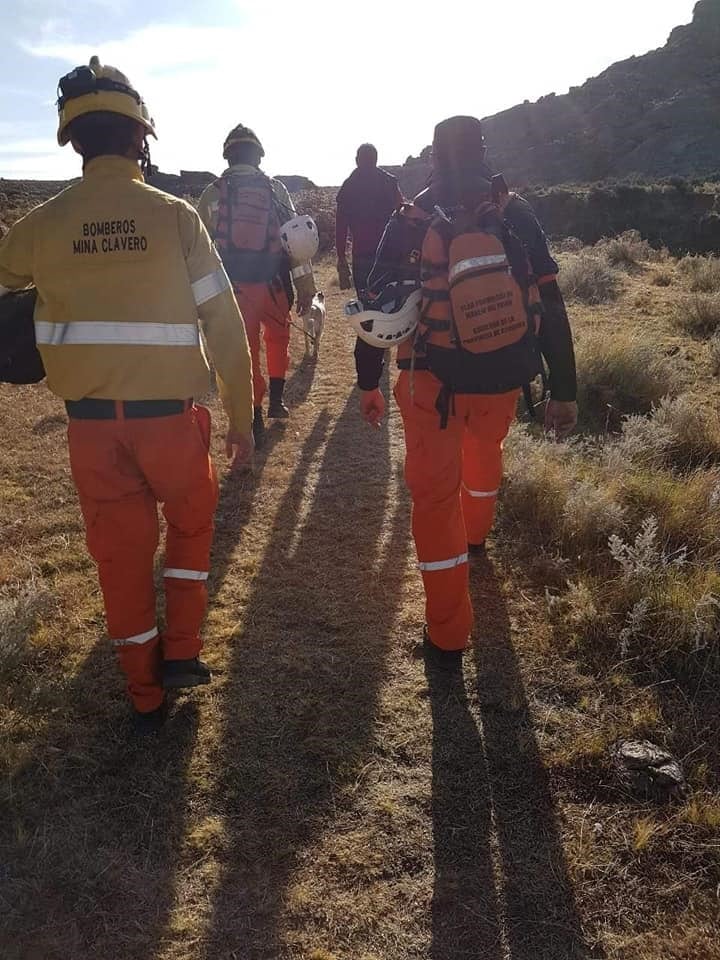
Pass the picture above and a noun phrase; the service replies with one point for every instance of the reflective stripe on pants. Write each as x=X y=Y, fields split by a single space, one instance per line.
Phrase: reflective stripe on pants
x=445 y=517
x=122 y=468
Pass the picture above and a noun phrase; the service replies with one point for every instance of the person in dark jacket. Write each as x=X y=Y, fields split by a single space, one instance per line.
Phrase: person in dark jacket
x=364 y=202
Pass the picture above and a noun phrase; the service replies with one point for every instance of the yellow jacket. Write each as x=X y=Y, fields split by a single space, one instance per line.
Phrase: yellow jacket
x=123 y=271
x=208 y=210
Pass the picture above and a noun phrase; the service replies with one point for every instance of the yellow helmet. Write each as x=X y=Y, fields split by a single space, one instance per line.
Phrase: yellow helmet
x=98 y=88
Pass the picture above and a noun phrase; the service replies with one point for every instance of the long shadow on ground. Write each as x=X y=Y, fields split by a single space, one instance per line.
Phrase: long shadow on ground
x=92 y=827
x=300 y=381
x=501 y=884
x=302 y=687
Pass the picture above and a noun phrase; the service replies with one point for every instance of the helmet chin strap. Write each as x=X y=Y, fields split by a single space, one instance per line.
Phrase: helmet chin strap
x=145 y=161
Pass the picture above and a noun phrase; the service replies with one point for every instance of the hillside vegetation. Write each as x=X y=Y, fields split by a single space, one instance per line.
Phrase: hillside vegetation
x=654 y=115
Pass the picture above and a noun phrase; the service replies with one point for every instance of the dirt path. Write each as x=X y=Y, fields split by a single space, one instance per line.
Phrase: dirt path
x=324 y=800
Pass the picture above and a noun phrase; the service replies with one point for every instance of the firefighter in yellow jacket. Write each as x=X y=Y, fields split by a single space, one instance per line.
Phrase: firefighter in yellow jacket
x=123 y=272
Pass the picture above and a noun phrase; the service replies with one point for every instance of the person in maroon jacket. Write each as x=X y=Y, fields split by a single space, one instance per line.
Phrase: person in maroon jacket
x=365 y=202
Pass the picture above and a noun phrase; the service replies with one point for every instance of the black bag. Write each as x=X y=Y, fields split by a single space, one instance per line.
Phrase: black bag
x=20 y=360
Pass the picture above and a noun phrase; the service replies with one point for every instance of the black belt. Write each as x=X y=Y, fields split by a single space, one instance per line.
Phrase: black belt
x=91 y=408
x=407 y=364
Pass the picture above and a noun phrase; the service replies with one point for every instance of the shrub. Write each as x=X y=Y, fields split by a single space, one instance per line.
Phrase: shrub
x=661 y=617
x=320 y=204
x=686 y=506
x=663 y=277
x=568 y=245
x=643 y=544
x=22 y=606
x=589 y=279
x=698 y=315
x=626 y=250
x=679 y=434
x=715 y=354
x=620 y=375
x=536 y=486
x=552 y=503
x=702 y=273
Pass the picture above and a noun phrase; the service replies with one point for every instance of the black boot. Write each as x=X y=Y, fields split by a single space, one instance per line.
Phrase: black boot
x=436 y=657
x=258 y=427
x=146 y=724
x=185 y=673
x=477 y=549
x=277 y=409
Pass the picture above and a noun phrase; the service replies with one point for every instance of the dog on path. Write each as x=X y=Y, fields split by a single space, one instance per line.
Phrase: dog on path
x=313 y=324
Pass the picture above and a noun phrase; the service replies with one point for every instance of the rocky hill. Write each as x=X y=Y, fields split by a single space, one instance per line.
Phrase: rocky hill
x=654 y=116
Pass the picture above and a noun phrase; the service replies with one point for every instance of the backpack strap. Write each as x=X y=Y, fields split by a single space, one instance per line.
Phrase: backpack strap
x=445 y=405
x=429 y=271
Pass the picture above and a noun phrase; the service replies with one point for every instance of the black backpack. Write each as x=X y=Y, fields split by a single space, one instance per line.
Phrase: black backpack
x=20 y=360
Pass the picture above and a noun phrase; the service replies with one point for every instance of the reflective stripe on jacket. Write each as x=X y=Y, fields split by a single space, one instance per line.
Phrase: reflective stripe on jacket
x=123 y=272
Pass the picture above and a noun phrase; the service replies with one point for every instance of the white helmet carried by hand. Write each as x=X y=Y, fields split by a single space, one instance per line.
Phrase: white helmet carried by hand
x=300 y=238
x=392 y=316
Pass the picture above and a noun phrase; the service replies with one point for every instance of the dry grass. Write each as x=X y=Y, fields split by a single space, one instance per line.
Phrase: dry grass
x=23 y=607
x=589 y=279
x=325 y=798
x=628 y=250
x=621 y=375
x=698 y=314
x=701 y=273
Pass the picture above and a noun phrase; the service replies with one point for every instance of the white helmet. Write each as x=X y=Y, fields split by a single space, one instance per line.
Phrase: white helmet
x=393 y=317
x=300 y=238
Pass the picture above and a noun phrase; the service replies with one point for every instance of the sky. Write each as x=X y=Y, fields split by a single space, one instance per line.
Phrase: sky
x=314 y=79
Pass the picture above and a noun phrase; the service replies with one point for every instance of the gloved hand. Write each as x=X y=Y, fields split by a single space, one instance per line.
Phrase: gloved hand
x=241 y=448
x=560 y=417
x=344 y=275
x=305 y=289
x=372 y=407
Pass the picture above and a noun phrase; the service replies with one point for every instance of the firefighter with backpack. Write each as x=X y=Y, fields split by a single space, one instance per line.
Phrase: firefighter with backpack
x=464 y=285
x=125 y=274
x=266 y=249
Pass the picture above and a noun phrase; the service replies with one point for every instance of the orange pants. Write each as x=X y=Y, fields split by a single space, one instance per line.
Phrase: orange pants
x=122 y=468
x=264 y=306
x=453 y=476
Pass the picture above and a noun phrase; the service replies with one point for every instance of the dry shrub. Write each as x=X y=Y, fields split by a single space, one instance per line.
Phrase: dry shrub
x=620 y=375
x=687 y=506
x=663 y=277
x=568 y=245
x=661 y=616
x=589 y=279
x=701 y=273
x=678 y=434
x=320 y=204
x=551 y=503
x=637 y=547
x=22 y=607
x=698 y=315
x=715 y=354
x=536 y=486
x=627 y=250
